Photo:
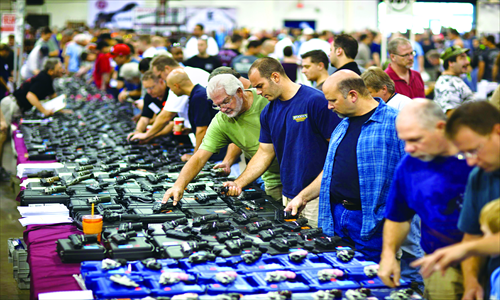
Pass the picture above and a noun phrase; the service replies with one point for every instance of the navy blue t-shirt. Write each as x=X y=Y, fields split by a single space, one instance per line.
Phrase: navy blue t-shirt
x=345 y=176
x=299 y=130
x=433 y=190
x=200 y=111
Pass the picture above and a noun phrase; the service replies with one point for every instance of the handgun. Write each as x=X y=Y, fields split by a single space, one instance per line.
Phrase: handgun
x=90 y=161
x=282 y=244
x=54 y=189
x=192 y=188
x=154 y=179
x=257 y=226
x=83 y=168
x=269 y=234
x=78 y=240
x=123 y=178
x=204 y=197
x=99 y=199
x=245 y=216
x=235 y=246
x=224 y=236
x=96 y=188
x=107 y=168
x=79 y=179
x=42 y=174
x=174 y=223
x=126 y=227
x=122 y=238
x=49 y=181
x=214 y=227
x=82 y=173
x=198 y=221
x=159 y=207
x=295 y=225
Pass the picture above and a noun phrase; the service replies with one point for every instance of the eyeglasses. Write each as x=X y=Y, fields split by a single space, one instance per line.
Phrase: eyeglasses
x=224 y=103
x=470 y=154
x=413 y=53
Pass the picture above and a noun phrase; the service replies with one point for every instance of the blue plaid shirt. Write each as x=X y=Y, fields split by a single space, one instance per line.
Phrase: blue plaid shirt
x=378 y=152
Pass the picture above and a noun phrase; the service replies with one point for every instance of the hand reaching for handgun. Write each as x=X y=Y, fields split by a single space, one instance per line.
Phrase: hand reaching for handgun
x=233 y=188
x=226 y=167
x=173 y=192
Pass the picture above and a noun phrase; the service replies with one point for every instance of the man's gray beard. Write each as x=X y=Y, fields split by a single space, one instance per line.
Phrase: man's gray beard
x=341 y=115
x=237 y=109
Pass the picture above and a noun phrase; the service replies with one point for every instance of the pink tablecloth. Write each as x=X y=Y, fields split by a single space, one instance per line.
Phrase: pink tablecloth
x=48 y=273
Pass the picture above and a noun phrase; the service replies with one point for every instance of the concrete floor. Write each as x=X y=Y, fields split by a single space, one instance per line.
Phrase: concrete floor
x=9 y=228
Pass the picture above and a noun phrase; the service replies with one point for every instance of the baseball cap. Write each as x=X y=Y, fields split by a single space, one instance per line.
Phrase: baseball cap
x=119 y=49
x=453 y=51
x=224 y=70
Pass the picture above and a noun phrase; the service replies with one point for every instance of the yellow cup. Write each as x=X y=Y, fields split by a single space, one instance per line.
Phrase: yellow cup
x=92 y=225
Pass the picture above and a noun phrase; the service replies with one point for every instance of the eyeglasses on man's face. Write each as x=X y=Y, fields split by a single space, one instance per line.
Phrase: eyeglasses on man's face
x=224 y=103
x=413 y=53
x=471 y=154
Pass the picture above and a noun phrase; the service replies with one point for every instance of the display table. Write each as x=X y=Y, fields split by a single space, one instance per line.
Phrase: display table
x=48 y=273
x=21 y=151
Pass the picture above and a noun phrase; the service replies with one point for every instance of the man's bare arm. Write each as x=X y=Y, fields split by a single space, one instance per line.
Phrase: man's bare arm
x=259 y=163
x=188 y=172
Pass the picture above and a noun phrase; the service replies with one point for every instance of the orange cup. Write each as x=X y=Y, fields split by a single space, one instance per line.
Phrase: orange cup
x=92 y=225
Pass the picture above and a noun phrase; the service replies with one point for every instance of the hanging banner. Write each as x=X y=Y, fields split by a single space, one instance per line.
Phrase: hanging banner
x=213 y=18
x=112 y=13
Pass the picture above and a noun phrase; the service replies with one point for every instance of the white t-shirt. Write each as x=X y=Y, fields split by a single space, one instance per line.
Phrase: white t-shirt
x=33 y=62
x=180 y=105
x=191 y=48
x=398 y=101
x=314 y=44
x=280 y=45
x=150 y=52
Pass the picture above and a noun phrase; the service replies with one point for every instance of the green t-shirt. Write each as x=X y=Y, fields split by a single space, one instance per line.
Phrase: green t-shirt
x=244 y=132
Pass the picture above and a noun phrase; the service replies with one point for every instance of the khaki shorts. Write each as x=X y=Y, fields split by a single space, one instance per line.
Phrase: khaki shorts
x=310 y=212
x=275 y=192
x=447 y=287
x=10 y=109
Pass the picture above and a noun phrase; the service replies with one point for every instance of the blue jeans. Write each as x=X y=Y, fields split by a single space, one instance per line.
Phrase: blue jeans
x=348 y=226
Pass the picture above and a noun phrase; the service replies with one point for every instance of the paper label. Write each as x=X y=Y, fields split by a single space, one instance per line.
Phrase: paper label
x=154 y=107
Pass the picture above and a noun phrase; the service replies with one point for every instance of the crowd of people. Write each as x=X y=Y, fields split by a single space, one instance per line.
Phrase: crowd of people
x=399 y=160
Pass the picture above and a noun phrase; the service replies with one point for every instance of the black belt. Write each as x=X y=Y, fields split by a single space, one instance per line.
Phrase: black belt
x=349 y=205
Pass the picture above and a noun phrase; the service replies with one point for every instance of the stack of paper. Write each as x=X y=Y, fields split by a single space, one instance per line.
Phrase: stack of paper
x=44 y=214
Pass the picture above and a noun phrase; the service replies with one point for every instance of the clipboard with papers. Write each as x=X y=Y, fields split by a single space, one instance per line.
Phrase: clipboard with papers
x=55 y=104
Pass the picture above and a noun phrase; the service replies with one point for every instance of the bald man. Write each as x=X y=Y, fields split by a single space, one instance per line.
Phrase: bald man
x=362 y=156
x=428 y=182
x=200 y=111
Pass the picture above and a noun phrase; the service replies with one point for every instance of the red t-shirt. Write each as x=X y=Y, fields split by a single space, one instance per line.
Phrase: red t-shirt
x=102 y=66
x=415 y=89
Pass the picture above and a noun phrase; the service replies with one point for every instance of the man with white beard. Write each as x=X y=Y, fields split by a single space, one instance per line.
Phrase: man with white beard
x=237 y=122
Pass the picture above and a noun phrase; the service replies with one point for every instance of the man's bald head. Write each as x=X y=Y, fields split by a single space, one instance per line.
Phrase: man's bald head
x=422 y=112
x=420 y=124
x=345 y=81
x=180 y=77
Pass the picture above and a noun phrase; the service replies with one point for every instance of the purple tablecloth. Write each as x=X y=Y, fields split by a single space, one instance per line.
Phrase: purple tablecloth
x=22 y=152
x=48 y=273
